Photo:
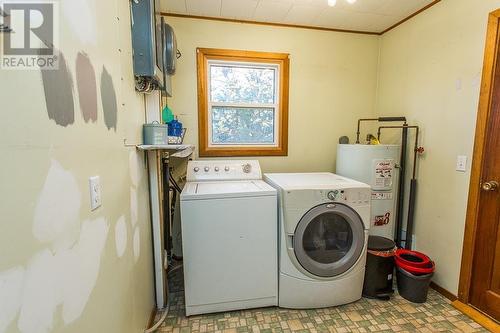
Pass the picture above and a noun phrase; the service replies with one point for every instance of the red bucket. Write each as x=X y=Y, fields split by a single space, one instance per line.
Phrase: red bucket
x=417 y=270
x=412 y=258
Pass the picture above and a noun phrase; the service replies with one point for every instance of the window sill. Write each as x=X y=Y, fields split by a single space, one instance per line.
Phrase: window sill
x=245 y=151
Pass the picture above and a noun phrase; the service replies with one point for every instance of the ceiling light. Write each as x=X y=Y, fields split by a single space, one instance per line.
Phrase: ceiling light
x=332 y=3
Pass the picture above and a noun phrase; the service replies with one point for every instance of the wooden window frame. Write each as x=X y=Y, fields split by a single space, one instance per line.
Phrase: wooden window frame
x=204 y=55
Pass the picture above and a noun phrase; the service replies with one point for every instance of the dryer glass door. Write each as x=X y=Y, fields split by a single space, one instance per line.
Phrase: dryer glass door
x=329 y=239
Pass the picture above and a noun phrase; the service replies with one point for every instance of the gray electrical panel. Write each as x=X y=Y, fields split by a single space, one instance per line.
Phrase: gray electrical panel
x=148 y=43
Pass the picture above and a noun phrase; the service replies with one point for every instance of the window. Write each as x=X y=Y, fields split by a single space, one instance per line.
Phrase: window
x=242 y=103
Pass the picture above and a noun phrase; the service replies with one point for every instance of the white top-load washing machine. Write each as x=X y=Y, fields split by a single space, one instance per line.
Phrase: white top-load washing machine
x=323 y=234
x=229 y=237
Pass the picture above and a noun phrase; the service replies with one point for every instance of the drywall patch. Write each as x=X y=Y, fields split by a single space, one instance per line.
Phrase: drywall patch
x=66 y=275
x=11 y=287
x=121 y=236
x=137 y=244
x=58 y=89
x=134 y=207
x=41 y=294
x=65 y=278
x=56 y=213
x=87 y=87
x=136 y=167
x=108 y=99
x=79 y=268
x=82 y=19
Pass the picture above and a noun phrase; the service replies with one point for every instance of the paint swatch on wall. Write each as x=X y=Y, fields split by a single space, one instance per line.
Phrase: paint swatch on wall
x=58 y=89
x=87 y=87
x=108 y=99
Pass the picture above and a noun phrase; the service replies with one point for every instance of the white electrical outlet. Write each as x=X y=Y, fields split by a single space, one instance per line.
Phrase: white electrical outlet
x=461 y=163
x=95 y=192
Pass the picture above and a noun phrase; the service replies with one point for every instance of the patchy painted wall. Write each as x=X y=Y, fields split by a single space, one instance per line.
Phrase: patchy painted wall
x=430 y=71
x=64 y=268
x=332 y=83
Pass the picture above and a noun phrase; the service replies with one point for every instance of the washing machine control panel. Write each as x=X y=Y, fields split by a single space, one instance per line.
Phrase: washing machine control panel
x=214 y=170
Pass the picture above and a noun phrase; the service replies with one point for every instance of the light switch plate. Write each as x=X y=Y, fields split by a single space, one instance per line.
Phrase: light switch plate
x=95 y=192
x=461 y=163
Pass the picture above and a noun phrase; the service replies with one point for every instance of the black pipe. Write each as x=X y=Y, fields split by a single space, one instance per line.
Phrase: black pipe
x=411 y=201
x=401 y=189
x=379 y=119
x=166 y=205
x=172 y=204
x=415 y=151
x=411 y=214
x=391 y=118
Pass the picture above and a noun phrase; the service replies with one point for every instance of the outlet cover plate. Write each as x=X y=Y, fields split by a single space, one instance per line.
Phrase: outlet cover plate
x=95 y=192
x=461 y=163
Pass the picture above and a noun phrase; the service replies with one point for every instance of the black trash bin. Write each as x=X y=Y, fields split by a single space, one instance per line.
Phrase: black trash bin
x=379 y=268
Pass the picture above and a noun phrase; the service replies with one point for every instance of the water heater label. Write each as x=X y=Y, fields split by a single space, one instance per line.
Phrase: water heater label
x=383 y=174
x=381 y=220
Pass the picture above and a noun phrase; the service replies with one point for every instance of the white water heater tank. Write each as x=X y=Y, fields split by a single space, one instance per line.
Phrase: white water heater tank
x=374 y=165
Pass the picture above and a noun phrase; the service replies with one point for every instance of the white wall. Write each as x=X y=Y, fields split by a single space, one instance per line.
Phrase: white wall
x=64 y=268
x=430 y=70
x=332 y=83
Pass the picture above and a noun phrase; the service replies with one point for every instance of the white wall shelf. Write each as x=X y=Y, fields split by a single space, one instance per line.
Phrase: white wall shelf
x=174 y=150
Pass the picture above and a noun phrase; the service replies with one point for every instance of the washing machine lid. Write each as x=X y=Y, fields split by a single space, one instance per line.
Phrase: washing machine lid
x=226 y=189
x=312 y=181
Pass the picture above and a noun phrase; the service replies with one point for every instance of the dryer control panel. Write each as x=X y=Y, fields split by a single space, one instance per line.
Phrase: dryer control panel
x=351 y=196
x=217 y=170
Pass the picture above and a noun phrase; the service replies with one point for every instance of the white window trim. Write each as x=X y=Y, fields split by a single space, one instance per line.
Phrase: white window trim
x=276 y=105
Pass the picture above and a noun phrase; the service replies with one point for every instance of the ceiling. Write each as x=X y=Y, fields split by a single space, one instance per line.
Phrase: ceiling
x=363 y=15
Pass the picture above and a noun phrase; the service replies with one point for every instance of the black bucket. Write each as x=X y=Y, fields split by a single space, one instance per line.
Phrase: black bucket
x=413 y=287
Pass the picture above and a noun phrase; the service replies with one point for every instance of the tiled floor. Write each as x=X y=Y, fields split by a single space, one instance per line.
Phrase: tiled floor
x=396 y=315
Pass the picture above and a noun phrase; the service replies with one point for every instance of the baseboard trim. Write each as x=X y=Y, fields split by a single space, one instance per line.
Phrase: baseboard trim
x=477 y=316
x=152 y=317
x=448 y=294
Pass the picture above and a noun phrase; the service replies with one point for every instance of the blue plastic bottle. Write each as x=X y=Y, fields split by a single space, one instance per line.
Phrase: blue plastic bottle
x=175 y=128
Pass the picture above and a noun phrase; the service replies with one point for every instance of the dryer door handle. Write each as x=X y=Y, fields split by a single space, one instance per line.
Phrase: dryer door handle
x=289 y=242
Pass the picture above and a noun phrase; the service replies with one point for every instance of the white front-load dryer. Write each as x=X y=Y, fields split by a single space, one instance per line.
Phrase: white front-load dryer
x=323 y=235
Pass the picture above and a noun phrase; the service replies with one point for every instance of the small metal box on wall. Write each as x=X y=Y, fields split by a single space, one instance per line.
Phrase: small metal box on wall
x=155 y=134
x=149 y=43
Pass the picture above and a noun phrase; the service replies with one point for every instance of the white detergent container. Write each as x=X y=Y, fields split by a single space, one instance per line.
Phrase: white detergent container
x=374 y=165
